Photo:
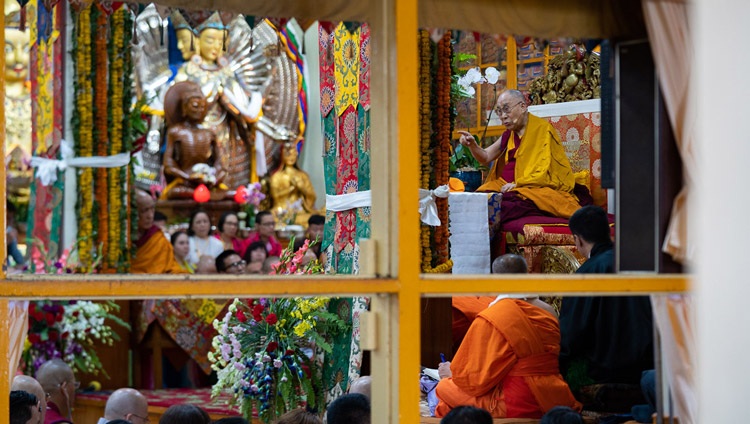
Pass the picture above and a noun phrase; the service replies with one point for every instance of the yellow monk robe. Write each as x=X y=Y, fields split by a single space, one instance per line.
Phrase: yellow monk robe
x=542 y=173
x=465 y=310
x=154 y=255
x=508 y=365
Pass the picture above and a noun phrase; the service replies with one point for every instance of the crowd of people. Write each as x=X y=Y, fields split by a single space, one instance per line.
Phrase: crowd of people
x=49 y=399
x=203 y=248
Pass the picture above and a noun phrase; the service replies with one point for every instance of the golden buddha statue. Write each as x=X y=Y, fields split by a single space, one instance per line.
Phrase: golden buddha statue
x=184 y=34
x=17 y=104
x=292 y=192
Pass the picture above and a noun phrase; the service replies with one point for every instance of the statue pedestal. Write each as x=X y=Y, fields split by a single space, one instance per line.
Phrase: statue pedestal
x=180 y=210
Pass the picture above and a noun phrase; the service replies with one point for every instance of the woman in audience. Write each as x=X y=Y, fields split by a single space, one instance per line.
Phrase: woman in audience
x=185 y=414
x=255 y=255
x=181 y=247
x=227 y=230
x=201 y=242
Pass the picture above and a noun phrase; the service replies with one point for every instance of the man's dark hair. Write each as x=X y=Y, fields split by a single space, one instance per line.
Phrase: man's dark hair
x=256 y=245
x=316 y=220
x=220 y=266
x=259 y=216
x=467 y=415
x=158 y=216
x=353 y=408
x=561 y=415
x=185 y=414
x=231 y=420
x=591 y=224
x=510 y=264
x=21 y=403
x=223 y=219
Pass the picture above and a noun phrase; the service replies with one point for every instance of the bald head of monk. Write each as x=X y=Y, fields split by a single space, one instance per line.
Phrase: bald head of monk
x=30 y=385
x=509 y=264
x=128 y=404
x=362 y=385
x=57 y=379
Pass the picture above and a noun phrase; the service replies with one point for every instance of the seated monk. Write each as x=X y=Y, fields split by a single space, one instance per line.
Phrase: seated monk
x=191 y=149
x=154 y=254
x=530 y=166
x=507 y=364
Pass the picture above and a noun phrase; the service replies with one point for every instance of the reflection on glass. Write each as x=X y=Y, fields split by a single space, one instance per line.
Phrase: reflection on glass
x=304 y=350
x=591 y=357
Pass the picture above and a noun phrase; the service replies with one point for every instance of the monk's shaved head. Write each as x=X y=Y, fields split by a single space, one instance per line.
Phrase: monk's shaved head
x=30 y=385
x=126 y=404
x=146 y=208
x=510 y=264
x=53 y=373
x=362 y=385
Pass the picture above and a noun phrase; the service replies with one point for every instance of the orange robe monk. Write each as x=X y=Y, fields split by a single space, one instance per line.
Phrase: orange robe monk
x=465 y=310
x=542 y=171
x=154 y=255
x=507 y=364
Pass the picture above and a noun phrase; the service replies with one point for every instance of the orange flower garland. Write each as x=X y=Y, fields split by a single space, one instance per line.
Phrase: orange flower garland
x=100 y=111
x=442 y=122
x=425 y=133
x=85 y=124
x=116 y=72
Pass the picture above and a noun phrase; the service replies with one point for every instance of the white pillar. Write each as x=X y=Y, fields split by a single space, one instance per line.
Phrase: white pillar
x=721 y=29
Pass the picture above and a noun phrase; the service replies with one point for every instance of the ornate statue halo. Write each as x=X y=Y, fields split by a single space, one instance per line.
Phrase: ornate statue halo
x=214 y=22
x=173 y=100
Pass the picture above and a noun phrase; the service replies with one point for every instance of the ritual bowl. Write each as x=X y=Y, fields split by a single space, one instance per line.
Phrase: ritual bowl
x=471 y=179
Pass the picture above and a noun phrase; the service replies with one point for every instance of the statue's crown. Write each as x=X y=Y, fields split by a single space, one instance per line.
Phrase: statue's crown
x=12 y=14
x=214 y=22
x=179 y=21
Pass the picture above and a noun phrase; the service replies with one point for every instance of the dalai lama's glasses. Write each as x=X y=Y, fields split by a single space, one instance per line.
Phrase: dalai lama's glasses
x=505 y=110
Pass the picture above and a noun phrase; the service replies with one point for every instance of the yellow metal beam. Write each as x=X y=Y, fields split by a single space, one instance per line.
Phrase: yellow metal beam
x=408 y=331
x=131 y=286
x=578 y=284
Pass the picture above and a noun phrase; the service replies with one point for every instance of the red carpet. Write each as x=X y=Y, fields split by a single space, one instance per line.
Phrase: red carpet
x=167 y=398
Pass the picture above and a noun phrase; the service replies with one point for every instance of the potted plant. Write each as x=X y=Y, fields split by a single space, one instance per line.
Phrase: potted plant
x=463 y=165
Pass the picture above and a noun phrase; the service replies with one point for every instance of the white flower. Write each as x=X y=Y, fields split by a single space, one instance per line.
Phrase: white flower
x=472 y=76
x=491 y=75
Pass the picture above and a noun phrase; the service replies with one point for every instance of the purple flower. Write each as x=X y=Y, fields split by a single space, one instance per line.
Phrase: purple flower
x=277 y=363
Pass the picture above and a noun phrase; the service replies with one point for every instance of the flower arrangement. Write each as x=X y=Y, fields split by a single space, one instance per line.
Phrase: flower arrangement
x=294 y=262
x=46 y=262
x=250 y=197
x=69 y=331
x=264 y=353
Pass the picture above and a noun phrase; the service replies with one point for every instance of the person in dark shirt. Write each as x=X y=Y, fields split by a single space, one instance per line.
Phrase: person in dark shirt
x=604 y=339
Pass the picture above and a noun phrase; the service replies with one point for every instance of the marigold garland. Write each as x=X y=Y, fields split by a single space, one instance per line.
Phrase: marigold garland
x=442 y=131
x=100 y=132
x=83 y=123
x=425 y=136
x=443 y=268
x=116 y=46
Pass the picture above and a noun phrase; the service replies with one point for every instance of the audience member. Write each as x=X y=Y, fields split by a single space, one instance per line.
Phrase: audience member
x=467 y=415
x=160 y=220
x=57 y=379
x=561 y=415
x=227 y=230
x=270 y=263
x=299 y=416
x=349 y=409
x=362 y=385
x=265 y=224
x=201 y=242
x=25 y=408
x=605 y=339
x=128 y=404
x=466 y=308
x=230 y=262
x=255 y=255
x=153 y=255
x=181 y=246
x=185 y=414
x=12 y=235
x=510 y=352
x=231 y=420
x=315 y=226
x=29 y=384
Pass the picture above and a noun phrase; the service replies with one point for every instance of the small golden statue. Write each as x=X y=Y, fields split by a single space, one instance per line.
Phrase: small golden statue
x=190 y=155
x=291 y=190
